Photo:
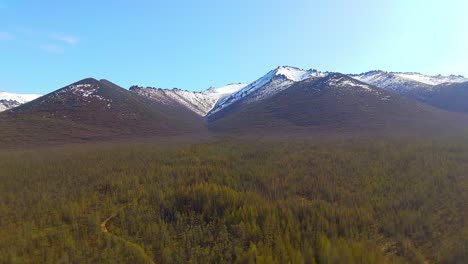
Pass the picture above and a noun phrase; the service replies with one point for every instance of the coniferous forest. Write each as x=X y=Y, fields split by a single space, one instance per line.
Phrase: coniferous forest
x=304 y=201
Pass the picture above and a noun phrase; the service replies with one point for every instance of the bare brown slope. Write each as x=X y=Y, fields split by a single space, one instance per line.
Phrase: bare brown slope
x=335 y=103
x=92 y=109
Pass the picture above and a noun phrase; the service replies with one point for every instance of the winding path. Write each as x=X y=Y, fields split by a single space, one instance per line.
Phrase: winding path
x=130 y=244
x=104 y=223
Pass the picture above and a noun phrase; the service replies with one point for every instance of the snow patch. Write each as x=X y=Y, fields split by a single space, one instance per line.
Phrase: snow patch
x=86 y=92
x=296 y=74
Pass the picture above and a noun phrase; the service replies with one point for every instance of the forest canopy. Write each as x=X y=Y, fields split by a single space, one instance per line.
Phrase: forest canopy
x=372 y=201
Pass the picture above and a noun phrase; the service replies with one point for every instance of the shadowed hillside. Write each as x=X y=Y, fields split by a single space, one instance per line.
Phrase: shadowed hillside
x=452 y=97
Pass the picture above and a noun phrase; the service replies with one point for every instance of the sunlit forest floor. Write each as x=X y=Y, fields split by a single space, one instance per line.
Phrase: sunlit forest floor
x=243 y=201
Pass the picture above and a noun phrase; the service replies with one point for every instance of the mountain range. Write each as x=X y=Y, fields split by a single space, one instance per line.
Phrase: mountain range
x=285 y=98
x=418 y=86
x=434 y=90
x=426 y=88
x=333 y=103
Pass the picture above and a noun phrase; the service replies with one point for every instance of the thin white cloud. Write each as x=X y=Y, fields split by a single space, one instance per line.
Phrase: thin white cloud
x=67 y=39
x=51 y=48
x=56 y=43
x=6 y=36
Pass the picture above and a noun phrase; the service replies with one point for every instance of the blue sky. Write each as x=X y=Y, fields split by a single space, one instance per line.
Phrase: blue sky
x=46 y=44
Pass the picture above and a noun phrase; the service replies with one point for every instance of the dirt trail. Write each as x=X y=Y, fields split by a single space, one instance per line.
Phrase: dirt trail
x=130 y=244
x=104 y=223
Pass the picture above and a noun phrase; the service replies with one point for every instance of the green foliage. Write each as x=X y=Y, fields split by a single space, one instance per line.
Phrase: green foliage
x=237 y=202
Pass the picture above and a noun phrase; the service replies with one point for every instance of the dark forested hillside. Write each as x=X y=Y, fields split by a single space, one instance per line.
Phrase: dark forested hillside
x=90 y=109
x=316 y=201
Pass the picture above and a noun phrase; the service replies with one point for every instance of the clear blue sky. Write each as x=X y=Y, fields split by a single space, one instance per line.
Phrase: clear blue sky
x=47 y=44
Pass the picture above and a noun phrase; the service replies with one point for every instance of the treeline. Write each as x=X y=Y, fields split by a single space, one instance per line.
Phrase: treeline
x=392 y=201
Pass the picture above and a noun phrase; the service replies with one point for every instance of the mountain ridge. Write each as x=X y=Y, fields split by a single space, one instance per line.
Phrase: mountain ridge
x=410 y=84
x=334 y=103
x=199 y=102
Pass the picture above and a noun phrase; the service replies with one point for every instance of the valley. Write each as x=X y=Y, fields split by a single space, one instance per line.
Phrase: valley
x=244 y=132
x=295 y=167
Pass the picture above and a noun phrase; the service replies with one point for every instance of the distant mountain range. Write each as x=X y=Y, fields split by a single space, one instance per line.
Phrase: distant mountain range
x=434 y=90
x=11 y=100
x=334 y=103
x=414 y=85
x=417 y=86
x=284 y=98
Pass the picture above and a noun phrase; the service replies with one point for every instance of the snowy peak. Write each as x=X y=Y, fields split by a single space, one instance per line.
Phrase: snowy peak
x=432 y=80
x=403 y=82
x=270 y=84
x=296 y=74
x=20 y=98
x=11 y=100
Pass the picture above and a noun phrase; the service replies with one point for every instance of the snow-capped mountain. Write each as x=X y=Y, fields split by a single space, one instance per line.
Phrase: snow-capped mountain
x=11 y=100
x=332 y=103
x=199 y=102
x=217 y=99
x=415 y=85
x=270 y=84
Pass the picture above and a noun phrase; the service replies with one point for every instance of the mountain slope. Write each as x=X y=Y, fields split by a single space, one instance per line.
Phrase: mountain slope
x=452 y=97
x=199 y=102
x=270 y=84
x=333 y=103
x=96 y=109
x=11 y=100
